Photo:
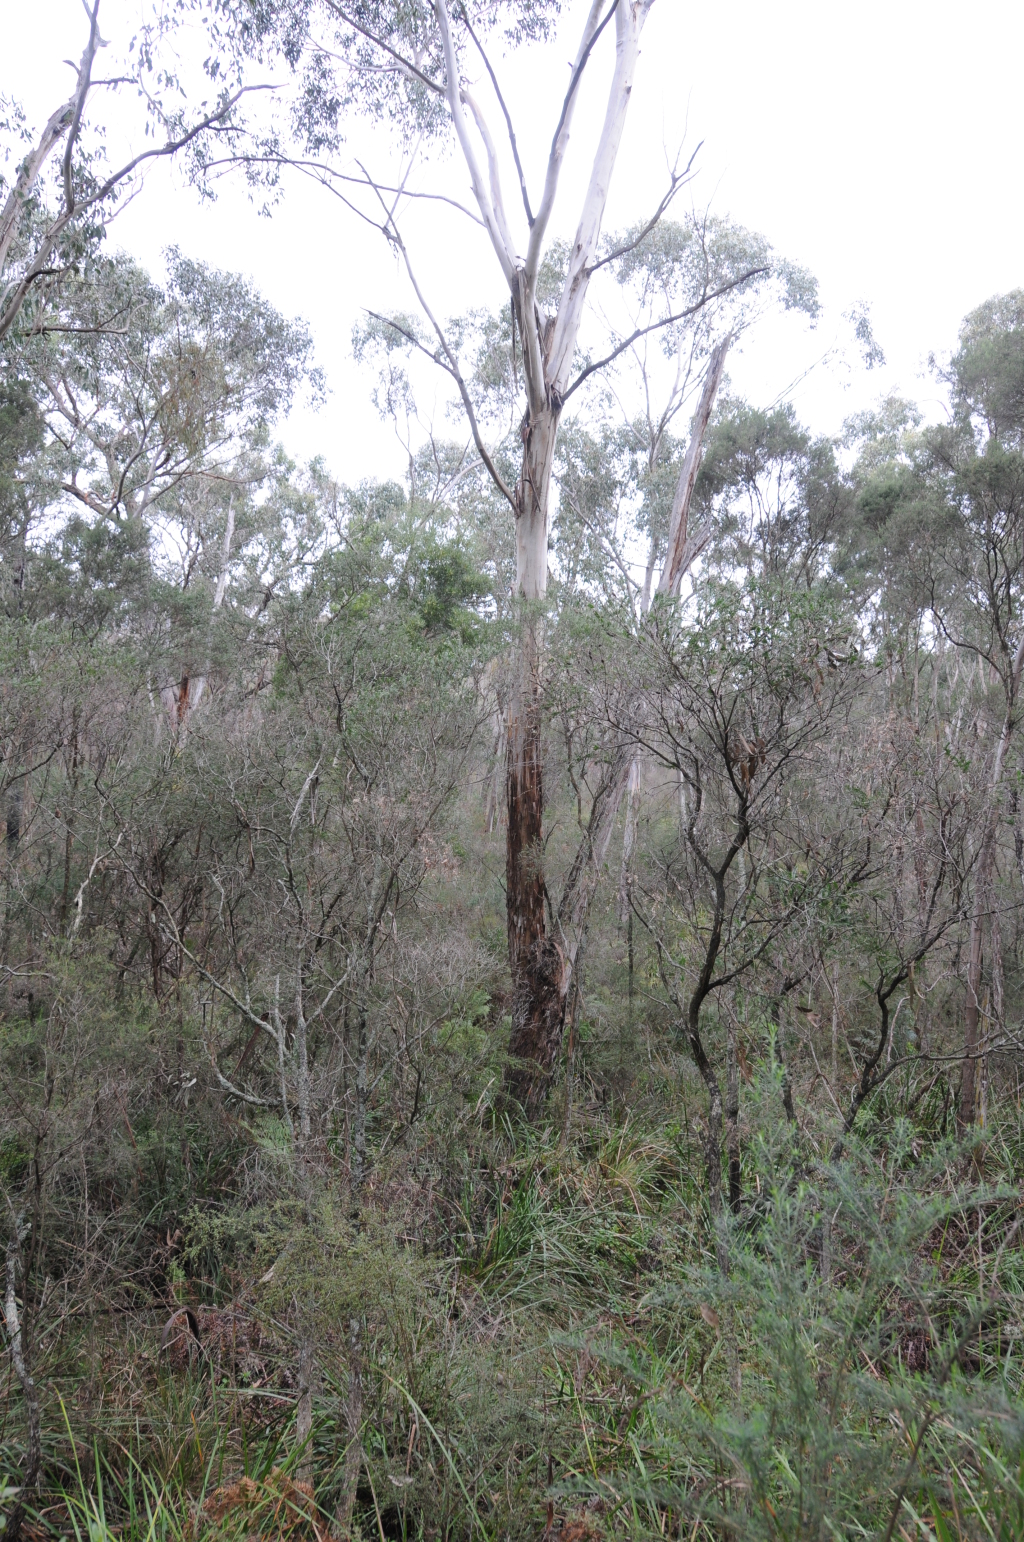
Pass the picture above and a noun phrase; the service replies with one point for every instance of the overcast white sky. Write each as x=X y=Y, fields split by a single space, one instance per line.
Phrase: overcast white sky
x=877 y=144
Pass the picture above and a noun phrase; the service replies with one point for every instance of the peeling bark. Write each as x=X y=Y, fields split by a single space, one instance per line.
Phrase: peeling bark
x=538 y=974
x=542 y=969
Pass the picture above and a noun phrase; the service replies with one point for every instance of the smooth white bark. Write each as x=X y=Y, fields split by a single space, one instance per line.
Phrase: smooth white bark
x=52 y=134
x=453 y=93
x=559 y=145
x=629 y=23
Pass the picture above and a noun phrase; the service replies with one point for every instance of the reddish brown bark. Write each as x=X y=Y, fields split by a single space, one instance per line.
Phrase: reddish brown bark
x=541 y=971
x=538 y=968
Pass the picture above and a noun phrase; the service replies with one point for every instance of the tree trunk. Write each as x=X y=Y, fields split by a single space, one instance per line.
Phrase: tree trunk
x=358 y=1155
x=629 y=835
x=199 y=684
x=833 y=986
x=302 y=1077
x=354 y=1428
x=541 y=973
x=713 y=1136
x=492 y=791
x=304 y=1405
x=713 y=1152
x=536 y=960
x=732 y=1117
x=778 y=1001
x=713 y=1146
x=14 y=801
x=357 y=1166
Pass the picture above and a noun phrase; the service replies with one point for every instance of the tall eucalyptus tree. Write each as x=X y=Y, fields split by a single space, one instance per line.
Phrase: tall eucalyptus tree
x=409 y=66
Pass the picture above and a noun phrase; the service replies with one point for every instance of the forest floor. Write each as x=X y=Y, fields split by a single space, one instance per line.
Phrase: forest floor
x=528 y=1334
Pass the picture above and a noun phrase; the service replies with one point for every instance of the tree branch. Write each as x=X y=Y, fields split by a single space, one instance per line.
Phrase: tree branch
x=560 y=139
x=666 y=321
x=493 y=170
x=507 y=115
x=16 y=297
x=350 y=21
x=452 y=92
x=27 y=176
x=451 y=367
x=679 y=180
x=84 y=81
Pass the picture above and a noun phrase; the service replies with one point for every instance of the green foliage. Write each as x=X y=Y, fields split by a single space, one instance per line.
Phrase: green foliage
x=268 y=1209
x=681 y=263
x=987 y=371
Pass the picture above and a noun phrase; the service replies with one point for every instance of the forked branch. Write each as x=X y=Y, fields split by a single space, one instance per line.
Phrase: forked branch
x=507 y=116
x=19 y=291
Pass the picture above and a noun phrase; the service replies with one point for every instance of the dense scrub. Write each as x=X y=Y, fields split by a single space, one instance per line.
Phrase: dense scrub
x=293 y=1244
x=545 y=1337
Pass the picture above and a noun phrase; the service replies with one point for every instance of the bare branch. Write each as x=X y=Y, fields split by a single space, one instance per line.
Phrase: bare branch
x=452 y=370
x=324 y=175
x=87 y=498
x=386 y=48
x=17 y=295
x=665 y=321
x=560 y=140
x=451 y=366
x=679 y=180
x=84 y=81
x=507 y=115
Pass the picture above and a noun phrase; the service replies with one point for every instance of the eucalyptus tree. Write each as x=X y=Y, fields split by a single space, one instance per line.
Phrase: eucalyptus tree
x=49 y=226
x=194 y=372
x=660 y=371
x=159 y=401
x=980 y=462
x=949 y=501
x=409 y=67
x=616 y=484
x=783 y=505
